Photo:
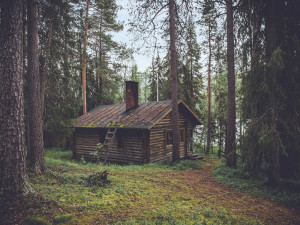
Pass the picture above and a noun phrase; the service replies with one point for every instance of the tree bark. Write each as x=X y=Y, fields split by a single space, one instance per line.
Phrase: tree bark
x=13 y=177
x=209 y=91
x=45 y=68
x=174 y=82
x=84 y=58
x=231 y=113
x=35 y=156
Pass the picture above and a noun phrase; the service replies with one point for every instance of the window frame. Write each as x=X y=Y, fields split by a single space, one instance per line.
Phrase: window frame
x=166 y=137
x=124 y=138
x=181 y=137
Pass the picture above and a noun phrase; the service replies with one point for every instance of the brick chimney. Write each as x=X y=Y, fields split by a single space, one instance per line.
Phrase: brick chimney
x=132 y=94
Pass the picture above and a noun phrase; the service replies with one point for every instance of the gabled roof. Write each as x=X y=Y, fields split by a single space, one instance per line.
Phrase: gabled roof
x=143 y=116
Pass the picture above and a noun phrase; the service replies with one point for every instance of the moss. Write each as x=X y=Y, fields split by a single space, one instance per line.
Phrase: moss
x=63 y=218
x=36 y=221
x=154 y=193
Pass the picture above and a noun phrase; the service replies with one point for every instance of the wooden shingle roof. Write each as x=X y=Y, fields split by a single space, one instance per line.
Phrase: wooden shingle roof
x=143 y=116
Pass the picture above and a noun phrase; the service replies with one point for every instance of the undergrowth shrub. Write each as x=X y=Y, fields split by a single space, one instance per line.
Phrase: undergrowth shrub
x=182 y=165
x=98 y=179
x=287 y=193
x=36 y=221
x=200 y=217
x=63 y=218
x=66 y=178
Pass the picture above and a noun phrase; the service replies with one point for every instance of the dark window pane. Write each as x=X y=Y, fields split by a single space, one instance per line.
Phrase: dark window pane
x=169 y=138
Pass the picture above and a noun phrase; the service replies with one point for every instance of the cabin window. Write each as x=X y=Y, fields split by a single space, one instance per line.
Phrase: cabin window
x=121 y=143
x=182 y=136
x=169 y=138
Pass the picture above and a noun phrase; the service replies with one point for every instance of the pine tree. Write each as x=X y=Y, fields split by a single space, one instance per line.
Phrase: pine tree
x=174 y=82
x=35 y=154
x=270 y=107
x=13 y=177
x=84 y=58
x=231 y=113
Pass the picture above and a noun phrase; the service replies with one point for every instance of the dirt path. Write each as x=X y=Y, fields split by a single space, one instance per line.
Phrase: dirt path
x=212 y=192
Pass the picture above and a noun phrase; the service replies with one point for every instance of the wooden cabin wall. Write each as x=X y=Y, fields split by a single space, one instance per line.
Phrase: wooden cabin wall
x=158 y=149
x=134 y=147
x=86 y=140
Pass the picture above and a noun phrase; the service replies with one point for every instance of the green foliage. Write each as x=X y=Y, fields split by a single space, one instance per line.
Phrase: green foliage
x=196 y=217
x=82 y=160
x=182 y=165
x=99 y=178
x=154 y=193
x=287 y=193
x=63 y=218
x=36 y=221
x=270 y=89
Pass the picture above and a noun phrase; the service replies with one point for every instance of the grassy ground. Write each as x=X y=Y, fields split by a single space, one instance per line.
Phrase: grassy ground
x=157 y=193
x=287 y=193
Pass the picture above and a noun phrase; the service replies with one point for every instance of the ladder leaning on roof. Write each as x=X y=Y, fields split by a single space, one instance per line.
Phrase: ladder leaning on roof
x=109 y=139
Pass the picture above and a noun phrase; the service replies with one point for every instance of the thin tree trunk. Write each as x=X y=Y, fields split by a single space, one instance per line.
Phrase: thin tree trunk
x=220 y=140
x=231 y=113
x=13 y=177
x=174 y=83
x=84 y=58
x=35 y=156
x=209 y=92
x=241 y=127
x=101 y=63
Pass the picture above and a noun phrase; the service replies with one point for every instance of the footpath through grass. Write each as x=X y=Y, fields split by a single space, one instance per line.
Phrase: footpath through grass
x=157 y=193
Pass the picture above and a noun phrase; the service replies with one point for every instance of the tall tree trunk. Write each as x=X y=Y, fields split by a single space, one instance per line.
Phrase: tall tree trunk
x=100 y=62
x=209 y=91
x=45 y=68
x=174 y=78
x=13 y=177
x=84 y=58
x=36 y=154
x=231 y=113
x=274 y=27
x=220 y=140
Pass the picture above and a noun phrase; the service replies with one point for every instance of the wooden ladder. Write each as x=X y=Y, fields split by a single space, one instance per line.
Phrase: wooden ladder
x=109 y=139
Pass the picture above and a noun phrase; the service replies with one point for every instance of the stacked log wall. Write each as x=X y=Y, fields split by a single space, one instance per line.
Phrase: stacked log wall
x=85 y=144
x=159 y=151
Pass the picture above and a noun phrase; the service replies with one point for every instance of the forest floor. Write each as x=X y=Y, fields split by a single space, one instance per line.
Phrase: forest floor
x=156 y=193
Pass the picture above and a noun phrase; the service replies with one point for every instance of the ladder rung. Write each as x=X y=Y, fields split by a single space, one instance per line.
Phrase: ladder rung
x=108 y=138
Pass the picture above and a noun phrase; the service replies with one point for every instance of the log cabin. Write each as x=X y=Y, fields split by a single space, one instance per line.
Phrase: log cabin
x=132 y=132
